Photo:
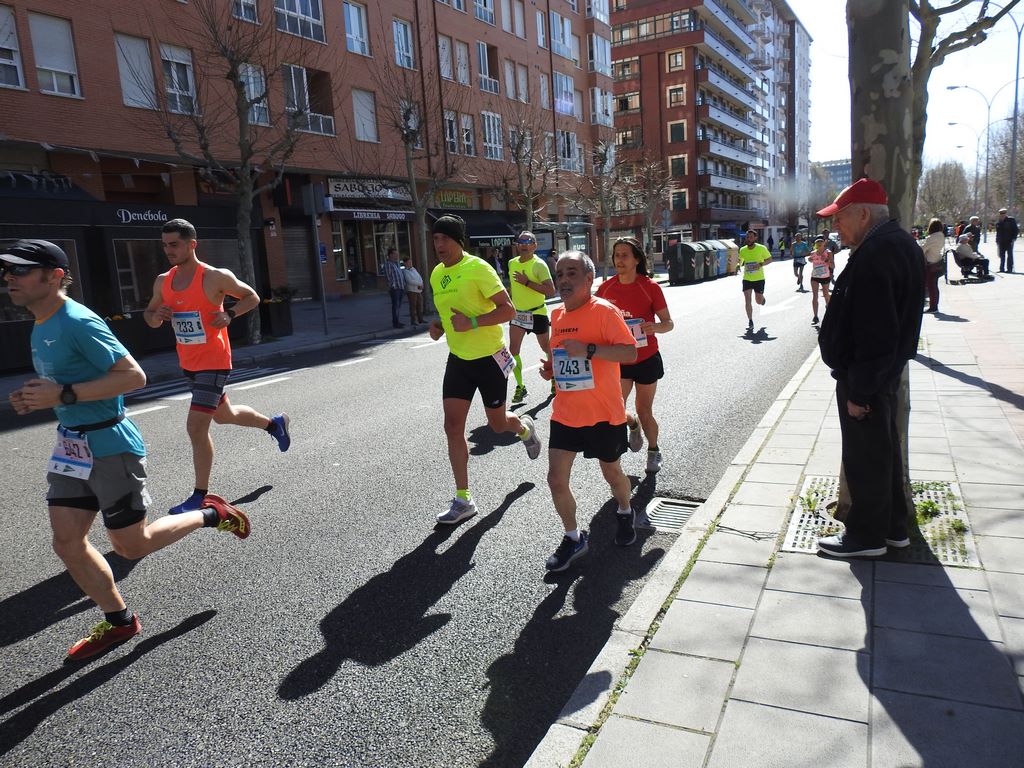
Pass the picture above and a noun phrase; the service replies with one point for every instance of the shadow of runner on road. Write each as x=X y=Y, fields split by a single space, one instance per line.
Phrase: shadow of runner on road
x=51 y=601
x=387 y=615
x=529 y=686
x=758 y=337
x=21 y=725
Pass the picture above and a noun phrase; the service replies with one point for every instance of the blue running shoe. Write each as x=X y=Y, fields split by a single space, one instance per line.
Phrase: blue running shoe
x=567 y=551
x=280 y=433
x=191 y=504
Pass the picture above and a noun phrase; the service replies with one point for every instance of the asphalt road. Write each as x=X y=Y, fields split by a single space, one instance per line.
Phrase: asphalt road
x=347 y=631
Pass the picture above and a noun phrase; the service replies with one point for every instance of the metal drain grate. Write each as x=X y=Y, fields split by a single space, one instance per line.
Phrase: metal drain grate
x=667 y=515
x=940 y=538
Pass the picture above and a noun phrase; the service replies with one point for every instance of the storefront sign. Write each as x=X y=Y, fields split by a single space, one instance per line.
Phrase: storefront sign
x=141 y=217
x=454 y=198
x=370 y=215
x=493 y=241
x=371 y=188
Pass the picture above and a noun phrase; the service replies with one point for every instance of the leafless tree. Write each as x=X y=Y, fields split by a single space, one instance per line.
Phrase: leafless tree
x=603 y=193
x=943 y=192
x=999 y=168
x=649 y=185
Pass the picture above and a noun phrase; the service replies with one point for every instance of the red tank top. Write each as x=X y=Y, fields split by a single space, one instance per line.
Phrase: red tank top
x=201 y=347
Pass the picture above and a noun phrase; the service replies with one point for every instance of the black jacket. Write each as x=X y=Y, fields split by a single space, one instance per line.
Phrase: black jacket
x=873 y=320
x=975 y=230
x=1007 y=231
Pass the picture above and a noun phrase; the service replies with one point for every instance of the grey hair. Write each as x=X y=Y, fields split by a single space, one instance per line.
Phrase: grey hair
x=588 y=264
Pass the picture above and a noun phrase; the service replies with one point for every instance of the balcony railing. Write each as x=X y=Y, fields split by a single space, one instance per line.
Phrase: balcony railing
x=724 y=149
x=734 y=25
x=489 y=84
x=731 y=183
x=561 y=49
x=312 y=122
x=716 y=78
x=601 y=118
x=719 y=46
x=737 y=124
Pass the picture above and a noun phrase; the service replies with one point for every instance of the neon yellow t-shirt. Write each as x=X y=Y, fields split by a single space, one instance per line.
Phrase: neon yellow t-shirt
x=523 y=298
x=753 y=255
x=467 y=286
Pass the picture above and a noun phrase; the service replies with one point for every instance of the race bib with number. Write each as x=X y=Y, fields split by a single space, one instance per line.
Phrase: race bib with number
x=571 y=373
x=524 y=320
x=505 y=361
x=188 y=327
x=820 y=270
x=71 y=455
x=751 y=266
x=639 y=337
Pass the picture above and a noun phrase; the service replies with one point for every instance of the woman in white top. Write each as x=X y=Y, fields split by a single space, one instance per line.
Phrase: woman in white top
x=414 y=290
x=933 y=246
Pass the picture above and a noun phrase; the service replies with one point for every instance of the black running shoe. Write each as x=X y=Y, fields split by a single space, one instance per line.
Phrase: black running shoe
x=625 y=534
x=567 y=551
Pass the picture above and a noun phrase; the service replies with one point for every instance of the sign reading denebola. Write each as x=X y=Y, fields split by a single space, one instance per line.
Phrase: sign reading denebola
x=454 y=198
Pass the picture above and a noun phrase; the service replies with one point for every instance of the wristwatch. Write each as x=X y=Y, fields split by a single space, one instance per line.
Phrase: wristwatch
x=68 y=396
x=591 y=350
x=230 y=312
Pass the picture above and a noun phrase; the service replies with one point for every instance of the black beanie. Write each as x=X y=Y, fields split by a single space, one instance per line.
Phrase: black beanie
x=451 y=225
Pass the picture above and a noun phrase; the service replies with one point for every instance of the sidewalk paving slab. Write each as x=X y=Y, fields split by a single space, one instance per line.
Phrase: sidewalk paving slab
x=634 y=742
x=835 y=622
x=710 y=630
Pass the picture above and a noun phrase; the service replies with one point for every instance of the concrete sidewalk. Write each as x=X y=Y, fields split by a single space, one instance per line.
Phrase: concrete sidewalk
x=752 y=656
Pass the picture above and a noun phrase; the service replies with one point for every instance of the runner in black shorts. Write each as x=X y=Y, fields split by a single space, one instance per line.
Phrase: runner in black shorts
x=530 y=286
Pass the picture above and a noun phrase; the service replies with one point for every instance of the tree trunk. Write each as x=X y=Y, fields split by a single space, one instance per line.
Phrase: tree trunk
x=420 y=208
x=246 y=263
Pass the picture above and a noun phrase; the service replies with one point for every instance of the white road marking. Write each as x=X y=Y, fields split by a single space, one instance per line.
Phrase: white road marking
x=353 y=362
x=429 y=344
x=771 y=309
x=260 y=384
x=133 y=412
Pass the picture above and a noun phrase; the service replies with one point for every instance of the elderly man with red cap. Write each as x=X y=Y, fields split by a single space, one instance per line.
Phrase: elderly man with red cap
x=867 y=336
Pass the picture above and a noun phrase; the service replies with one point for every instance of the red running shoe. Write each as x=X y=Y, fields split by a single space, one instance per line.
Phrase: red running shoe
x=232 y=519
x=103 y=636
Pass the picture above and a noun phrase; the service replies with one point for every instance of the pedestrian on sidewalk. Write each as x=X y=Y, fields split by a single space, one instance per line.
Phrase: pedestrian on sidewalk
x=869 y=333
x=753 y=257
x=472 y=305
x=934 y=248
x=530 y=285
x=414 y=291
x=191 y=296
x=1006 y=233
x=800 y=252
x=822 y=269
x=589 y=340
x=99 y=461
x=396 y=285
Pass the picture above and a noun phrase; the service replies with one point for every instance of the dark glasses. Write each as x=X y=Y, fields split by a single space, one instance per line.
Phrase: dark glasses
x=18 y=270
x=525 y=241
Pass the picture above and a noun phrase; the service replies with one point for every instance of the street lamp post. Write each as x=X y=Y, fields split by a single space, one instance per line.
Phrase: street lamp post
x=977 y=157
x=1016 y=113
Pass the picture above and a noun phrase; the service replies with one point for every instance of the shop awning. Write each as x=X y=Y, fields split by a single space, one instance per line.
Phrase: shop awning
x=486 y=228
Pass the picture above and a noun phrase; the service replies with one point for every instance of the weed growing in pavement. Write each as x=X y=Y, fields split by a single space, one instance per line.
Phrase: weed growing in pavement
x=926 y=510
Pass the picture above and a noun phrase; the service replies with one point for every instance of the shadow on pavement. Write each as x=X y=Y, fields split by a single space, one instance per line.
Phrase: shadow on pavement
x=387 y=616
x=20 y=726
x=758 y=337
x=950 y=318
x=559 y=643
x=49 y=602
x=1001 y=393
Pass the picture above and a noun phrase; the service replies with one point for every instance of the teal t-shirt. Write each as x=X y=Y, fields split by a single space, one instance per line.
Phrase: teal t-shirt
x=800 y=251
x=74 y=346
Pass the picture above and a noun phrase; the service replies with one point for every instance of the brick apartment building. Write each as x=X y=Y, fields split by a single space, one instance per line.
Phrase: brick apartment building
x=91 y=93
x=718 y=89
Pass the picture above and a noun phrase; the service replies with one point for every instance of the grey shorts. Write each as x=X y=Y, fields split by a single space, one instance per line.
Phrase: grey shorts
x=116 y=487
x=207 y=389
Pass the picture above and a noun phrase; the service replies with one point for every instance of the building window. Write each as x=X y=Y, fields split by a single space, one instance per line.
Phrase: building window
x=545 y=91
x=523 y=83
x=11 y=73
x=676 y=95
x=677 y=166
x=600 y=54
x=626 y=69
x=564 y=103
x=577 y=105
x=506 y=15
x=519 y=18
x=561 y=35
x=256 y=91
x=674 y=61
x=245 y=10
x=468 y=136
x=494 y=148
x=403 y=43
x=600 y=107
x=487 y=62
x=598 y=9
x=484 y=10
x=510 y=79
x=411 y=132
x=568 y=151
x=356 y=38
x=677 y=131
x=364 y=108
x=138 y=88
x=628 y=137
x=542 y=35
x=628 y=102
x=179 y=83
x=451 y=132
x=444 y=56
x=459 y=5
x=55 y=55
x=304 y=18
x=307 y=95
x=679 y=200
x=462 y=62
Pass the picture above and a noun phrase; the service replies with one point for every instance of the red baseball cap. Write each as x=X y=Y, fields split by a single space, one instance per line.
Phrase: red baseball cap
x=861 y=191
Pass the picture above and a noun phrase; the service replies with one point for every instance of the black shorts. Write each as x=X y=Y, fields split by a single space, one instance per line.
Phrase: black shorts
x=462 y=378
x=603 y=441
x=821 y=280
x=647 y=372
x=541 y=325
x=757 y=286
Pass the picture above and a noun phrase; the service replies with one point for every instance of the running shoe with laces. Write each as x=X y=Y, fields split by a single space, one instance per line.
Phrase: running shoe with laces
x=232 y=519
x=654 y=461
x=567 y=551
x=636 y=435
x=191 y=504
x=460 y=510
x=103 y=636
x=520 y=394
x=625 y=533
x=531 y=441
x=280 y=432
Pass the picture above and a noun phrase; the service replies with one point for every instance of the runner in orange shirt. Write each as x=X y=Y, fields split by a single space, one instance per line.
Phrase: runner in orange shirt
x=589 y=339
x=191 y=297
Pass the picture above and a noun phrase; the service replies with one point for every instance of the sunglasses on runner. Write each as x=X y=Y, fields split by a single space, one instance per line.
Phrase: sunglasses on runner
x=18 y=270
x=525 y=241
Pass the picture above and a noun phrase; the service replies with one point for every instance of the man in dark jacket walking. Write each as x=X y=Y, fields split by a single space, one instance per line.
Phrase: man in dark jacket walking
x=869 y=333
x=1006 y=233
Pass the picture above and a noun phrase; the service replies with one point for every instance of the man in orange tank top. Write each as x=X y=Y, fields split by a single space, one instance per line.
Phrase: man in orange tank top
x=190 y=296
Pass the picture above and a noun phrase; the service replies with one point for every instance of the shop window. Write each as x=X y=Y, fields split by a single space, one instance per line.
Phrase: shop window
x=139 y=262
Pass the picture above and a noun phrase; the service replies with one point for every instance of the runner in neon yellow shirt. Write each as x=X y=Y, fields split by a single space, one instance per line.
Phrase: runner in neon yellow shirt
x=753 y=257
x=531 y=284
x=472 y=306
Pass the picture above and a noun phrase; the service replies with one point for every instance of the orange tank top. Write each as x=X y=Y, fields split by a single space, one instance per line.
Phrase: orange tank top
x=201 y=347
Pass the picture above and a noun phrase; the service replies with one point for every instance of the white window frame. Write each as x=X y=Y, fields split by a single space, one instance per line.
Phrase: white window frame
x=451 y=131
x=493 y=136
x=357 y=38
x=510 y=78
x=600 y=59
x=519 y=19
x=487 y=81
x=459 y=5
x=463 y=73
x=506 y=16
x=304 y=18
x=523 y=83
x=483 y=10
x=245 y=10
x=405 y=53
x=545 y=91
x=542 y=35
x=365 y=124
x=10 y=52
x=601 y=107
x=468 y=135
x=256 y=91
x=569 y=159
x=577 y=104
x=54 y=48
x=415 y=121
x=135 y=67
x=444 y=57
x=175 y=62
x=563 y=94
x=598 y=9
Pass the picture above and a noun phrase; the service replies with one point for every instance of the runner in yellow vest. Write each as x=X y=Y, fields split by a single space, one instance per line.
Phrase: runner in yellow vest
x=531 y=284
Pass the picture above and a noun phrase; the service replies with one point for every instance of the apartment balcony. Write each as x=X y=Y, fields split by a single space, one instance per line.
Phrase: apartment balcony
x=715 y=212
x=712 y=114
x=708 y=41
x=722 y=181
x=760 y=31
x=733 y=26
x=744 y=11
x=716 y=148
x=489 y=84
x=762 y=60
x=311 y=122
x=714 y=78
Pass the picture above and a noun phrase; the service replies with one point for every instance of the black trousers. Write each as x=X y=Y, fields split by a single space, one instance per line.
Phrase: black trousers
x=874 y=468
x=1006 y=257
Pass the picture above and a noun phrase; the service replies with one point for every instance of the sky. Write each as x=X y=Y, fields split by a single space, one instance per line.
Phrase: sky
x=987 y=67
